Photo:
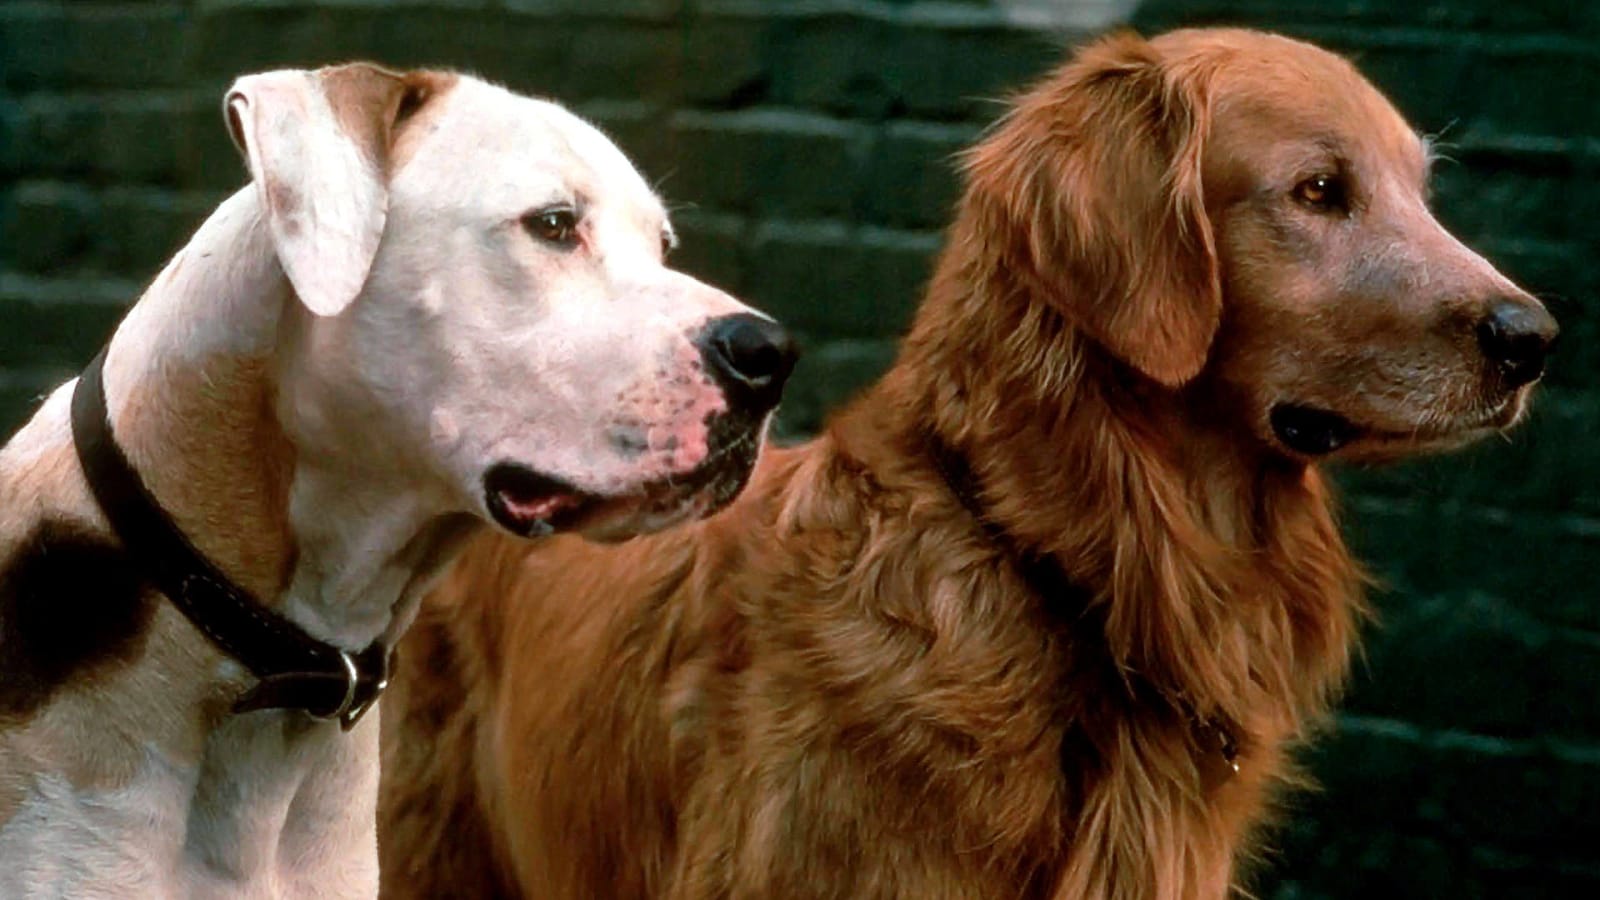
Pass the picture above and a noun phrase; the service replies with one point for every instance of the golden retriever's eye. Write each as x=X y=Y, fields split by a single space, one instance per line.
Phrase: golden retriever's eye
x=556 y=225
x=1321 y=192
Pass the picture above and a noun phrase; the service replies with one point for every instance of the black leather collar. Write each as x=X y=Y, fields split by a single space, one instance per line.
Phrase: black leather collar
x=295 y=670
x=1049 y=582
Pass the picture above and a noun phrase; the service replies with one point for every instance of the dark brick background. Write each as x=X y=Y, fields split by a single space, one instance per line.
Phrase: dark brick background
x=807 y=144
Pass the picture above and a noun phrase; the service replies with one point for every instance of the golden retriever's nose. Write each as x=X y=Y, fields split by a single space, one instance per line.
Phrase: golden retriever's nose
x=750 y=356
x=1517 y=337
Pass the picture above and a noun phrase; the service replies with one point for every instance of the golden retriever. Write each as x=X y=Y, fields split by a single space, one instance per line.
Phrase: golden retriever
x=1042 y=613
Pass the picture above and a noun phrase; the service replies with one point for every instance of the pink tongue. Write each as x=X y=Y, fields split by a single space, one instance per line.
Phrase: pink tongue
x=542 y=508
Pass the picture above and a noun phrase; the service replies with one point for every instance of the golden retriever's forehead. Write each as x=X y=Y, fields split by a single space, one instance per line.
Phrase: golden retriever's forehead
x=1240 y=52
x=1288 y=89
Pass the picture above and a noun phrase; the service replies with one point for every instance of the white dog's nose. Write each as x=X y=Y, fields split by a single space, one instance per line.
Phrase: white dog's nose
x=750 y=356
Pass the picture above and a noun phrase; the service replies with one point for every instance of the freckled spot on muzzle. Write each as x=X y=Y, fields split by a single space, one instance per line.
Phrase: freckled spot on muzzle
x=630 y=441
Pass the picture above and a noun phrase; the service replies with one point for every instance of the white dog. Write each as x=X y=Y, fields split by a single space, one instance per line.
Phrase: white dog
x=439 y=303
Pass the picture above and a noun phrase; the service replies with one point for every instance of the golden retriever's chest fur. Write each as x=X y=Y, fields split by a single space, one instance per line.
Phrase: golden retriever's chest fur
x=841 y=688
x=894 y=699
x=864 y=676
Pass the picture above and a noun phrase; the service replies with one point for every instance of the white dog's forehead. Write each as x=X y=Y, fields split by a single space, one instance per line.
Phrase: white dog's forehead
x=514 y=153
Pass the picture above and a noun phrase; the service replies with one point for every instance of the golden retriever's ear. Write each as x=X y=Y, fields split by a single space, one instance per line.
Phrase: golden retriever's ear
x=1091 y=186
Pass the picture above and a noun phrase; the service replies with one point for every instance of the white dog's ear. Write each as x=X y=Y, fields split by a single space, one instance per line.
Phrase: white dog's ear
x=317 y=143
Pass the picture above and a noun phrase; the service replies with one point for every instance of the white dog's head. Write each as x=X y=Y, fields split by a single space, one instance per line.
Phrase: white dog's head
x=485 y=307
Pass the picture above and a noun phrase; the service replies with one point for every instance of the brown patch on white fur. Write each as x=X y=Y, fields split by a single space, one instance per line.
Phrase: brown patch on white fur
x=365 y=100
x=70 y=738
x=376 y=106
x=73 y=608
x=419 y=112
x=841 y=687
x=226 y=483
x=83 y=734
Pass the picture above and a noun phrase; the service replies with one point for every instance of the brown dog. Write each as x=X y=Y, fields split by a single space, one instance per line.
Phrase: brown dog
x=1042 y=613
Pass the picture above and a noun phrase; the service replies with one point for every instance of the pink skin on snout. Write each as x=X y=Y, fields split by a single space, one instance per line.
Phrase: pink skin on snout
x=669 y=420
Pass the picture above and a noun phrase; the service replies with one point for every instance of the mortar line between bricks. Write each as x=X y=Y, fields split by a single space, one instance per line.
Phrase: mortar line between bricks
x=150 y=96
x=33 y=379
x=1577 y=752
x=93 y=288
x=1576 y=523
x=1502 y=857
x=92 y=7
x=150 y=190
x=1578 y=634
x=937 y=15
x=1495 y=43
x=950 y=17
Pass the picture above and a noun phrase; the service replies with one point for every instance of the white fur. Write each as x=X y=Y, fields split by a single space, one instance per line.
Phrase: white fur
x=65 y=842
x=326 y=204
x=469 y=343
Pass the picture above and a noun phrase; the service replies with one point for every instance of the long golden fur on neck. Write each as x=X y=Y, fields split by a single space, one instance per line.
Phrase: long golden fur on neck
x=1218 y=575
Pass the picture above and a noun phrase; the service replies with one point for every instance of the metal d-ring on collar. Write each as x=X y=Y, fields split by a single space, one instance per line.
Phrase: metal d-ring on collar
x=352 y=678
x=294 y=669
x=1048 y=581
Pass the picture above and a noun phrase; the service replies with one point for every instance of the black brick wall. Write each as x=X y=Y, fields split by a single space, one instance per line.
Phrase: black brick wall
x=806 y=144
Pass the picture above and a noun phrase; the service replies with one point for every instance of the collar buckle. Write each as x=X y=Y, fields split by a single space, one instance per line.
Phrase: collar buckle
x=352 y=677
x=356 y=703
x=351 y=711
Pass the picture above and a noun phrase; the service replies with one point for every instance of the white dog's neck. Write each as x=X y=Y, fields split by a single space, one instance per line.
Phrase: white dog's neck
x=192 y=385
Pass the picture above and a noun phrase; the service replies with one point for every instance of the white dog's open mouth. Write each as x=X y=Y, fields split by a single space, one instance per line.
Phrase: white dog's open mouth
x=531 y=504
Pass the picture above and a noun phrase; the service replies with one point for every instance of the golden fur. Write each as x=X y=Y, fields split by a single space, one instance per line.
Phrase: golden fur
x=842 y=687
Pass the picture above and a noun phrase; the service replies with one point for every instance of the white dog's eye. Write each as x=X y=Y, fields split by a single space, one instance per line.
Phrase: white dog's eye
x=556 y=225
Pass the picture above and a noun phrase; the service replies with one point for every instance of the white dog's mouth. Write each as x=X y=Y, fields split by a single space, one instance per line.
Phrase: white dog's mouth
x=532 y=504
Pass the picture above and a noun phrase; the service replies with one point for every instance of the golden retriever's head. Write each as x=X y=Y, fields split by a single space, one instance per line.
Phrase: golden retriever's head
x=1241 y=215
